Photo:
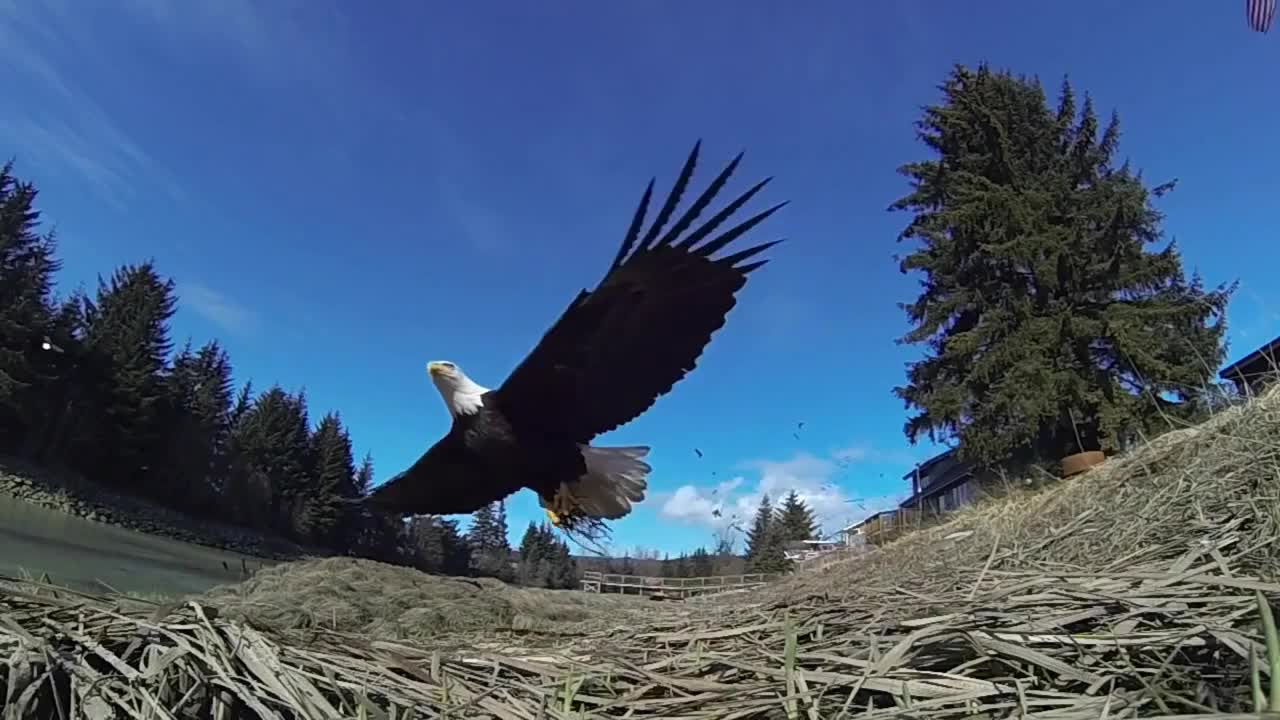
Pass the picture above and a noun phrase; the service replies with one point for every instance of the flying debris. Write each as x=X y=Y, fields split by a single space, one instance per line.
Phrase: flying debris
x=698 y=452
x=605 y=361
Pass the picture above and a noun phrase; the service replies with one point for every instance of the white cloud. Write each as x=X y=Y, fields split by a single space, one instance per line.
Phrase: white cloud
x=217 y=308
x=813 y=478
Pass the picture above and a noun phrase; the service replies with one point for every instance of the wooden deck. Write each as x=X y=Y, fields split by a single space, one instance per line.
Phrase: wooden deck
x=681 y=588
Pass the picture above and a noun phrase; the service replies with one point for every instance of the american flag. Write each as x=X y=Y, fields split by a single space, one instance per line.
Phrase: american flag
x=1260 y=13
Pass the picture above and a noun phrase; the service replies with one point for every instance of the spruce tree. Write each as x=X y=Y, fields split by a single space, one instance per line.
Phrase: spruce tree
x=488 y=540
x=127 y=344
x=532 y=569
x=758 y=535
x=333 y=479
x=564 y=570
x=765 y=543
x=795 y=521
x=271 y=443
x=197 y=427
x=27 y=267
x=376 y=536
x=1051 y=325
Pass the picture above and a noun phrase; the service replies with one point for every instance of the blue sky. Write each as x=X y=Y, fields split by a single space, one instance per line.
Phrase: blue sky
x=343 y=191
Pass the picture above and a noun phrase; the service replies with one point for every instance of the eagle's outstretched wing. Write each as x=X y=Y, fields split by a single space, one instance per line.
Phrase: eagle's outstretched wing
x=619 y=347
x=445 y=480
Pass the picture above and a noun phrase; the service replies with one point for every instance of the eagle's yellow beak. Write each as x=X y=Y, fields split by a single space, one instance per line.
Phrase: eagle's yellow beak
x=434 y=369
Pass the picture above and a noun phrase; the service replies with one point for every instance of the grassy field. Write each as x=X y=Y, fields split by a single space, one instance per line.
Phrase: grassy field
x=1130 y=591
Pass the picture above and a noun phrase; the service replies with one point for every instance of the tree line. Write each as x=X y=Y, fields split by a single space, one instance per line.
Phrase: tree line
x=93 y=383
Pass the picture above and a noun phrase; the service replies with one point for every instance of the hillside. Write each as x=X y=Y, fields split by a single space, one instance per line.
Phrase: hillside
x=1125 y=592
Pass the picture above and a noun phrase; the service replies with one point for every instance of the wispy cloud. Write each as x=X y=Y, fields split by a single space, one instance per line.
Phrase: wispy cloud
x=219 y=309
x=734 y=502
x=61 y=125
x=481 y=227
x=303 y=43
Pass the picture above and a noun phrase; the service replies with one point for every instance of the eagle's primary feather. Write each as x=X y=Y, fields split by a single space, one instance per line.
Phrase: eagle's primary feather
x=609 y=356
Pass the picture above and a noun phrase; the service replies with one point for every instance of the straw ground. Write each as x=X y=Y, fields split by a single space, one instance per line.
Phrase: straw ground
x=1129 y=591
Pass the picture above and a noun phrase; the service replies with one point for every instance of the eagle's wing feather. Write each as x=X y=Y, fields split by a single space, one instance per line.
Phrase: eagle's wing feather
x=445 y=480
x=618 y=348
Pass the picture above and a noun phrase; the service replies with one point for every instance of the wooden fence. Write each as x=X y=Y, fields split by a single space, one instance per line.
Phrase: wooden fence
x=887 y=526
x=598 y=582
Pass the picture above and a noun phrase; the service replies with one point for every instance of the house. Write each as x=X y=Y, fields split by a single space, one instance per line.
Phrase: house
x=798 y=550
x=879 y=528
x=941 y=484
x=1250 y=373
x=852 y=536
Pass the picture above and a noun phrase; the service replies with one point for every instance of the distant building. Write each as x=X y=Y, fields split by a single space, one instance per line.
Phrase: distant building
x=941 y=484
x=1254 y=371
x=799 y=550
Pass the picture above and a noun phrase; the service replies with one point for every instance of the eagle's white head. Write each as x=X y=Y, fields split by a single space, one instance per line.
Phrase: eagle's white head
x=461 y=394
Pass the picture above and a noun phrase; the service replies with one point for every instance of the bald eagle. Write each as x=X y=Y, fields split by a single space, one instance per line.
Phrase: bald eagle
x=603 y=363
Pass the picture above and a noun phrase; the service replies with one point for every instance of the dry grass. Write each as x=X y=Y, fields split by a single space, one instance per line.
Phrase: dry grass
x=387 y=601
x=1127 y=592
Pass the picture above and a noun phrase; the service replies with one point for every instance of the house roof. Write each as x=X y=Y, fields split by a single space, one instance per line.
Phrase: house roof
x=1268 y=351
x=950 y=476
x=929 y=464
x=866 y=520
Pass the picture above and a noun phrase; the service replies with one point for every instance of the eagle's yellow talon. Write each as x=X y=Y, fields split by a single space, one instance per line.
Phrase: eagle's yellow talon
x=555 y=518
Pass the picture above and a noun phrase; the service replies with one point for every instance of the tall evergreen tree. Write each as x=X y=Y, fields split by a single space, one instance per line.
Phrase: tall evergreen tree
x=795 y=520
x=545 y=560
x=373 y=535
x=758 y=534
x=765 y=542
x=1051 y=326
x=197 y=422
x=271 y=442
x=333 y=479
x=436 y=546
x=488 y=540
x=127 y=343
x=27 y=267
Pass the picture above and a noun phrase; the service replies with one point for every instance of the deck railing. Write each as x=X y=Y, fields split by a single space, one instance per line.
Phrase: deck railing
x=598 y=582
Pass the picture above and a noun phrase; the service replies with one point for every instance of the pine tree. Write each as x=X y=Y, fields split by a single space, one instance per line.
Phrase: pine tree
x=333 y=479
x=564 y=570
x=765 y=543
x=127 y=344
x=488 y=540
x=1051 y=327
x=701 y=564
x=27 y=268
x=795 y=521
x=271 y=443
x=435 y=545
x=374 y=535
x=758 y=535
x=197 y=427
x=536 y=551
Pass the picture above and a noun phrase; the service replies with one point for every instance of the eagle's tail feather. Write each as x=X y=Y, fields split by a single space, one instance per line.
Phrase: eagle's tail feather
x=616 y=478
